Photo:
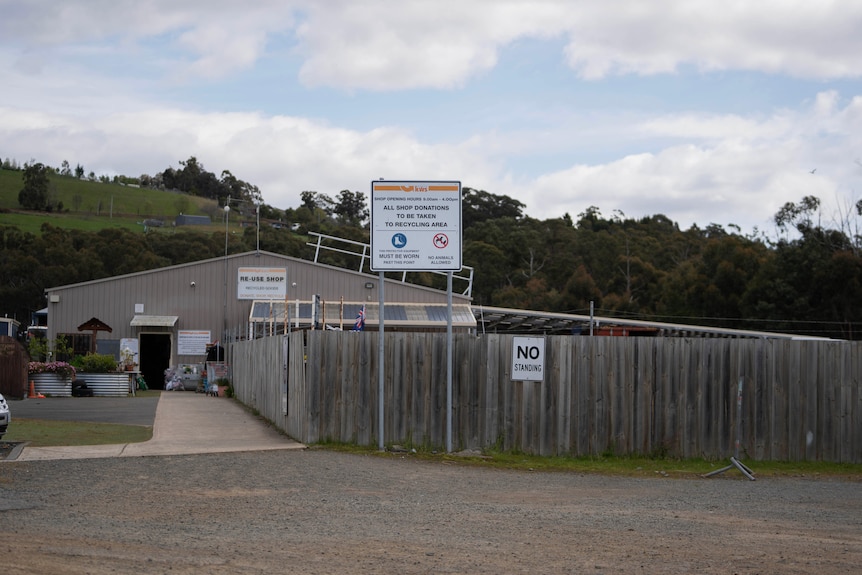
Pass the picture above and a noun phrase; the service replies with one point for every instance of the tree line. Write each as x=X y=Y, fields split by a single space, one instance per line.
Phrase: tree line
x=807 y=280
x=191 y=178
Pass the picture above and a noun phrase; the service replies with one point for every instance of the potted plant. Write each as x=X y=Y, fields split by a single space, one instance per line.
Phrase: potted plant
x=225 y=389
x=127 y=359
x=51 y=377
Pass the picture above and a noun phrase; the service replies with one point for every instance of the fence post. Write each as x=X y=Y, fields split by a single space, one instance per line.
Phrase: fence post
x=734 y=460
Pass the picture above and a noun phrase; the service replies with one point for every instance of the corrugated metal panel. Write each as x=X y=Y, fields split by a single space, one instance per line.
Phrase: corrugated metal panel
x=400 y=314
x=51 y=385
x=351 y=310
x=107 y=384
x=436 y=313
x=394 y=313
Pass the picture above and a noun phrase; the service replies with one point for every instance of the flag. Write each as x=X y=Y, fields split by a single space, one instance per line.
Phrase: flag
x=359 y=324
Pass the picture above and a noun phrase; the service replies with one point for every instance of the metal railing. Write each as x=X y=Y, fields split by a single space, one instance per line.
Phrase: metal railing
x=342 y=245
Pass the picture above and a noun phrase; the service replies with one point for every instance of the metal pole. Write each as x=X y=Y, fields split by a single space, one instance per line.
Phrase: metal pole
x=287 y=307
x=224 y=310
x=738 y=419
x=381 y=356
x=734 y=461
x=449 y=362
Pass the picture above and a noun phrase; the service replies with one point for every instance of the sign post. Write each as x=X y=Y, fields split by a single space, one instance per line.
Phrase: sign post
x=416 y=226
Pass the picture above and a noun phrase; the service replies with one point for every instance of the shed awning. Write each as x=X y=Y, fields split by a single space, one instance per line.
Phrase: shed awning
x=154 y=321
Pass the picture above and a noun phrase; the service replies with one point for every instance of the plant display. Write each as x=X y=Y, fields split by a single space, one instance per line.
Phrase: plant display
x=61 y=368
x=224 y=382
x=127 y=357
x=40 y=349
x=95 y=363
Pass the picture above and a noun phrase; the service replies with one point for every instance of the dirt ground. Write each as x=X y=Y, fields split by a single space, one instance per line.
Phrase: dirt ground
x=322 y=512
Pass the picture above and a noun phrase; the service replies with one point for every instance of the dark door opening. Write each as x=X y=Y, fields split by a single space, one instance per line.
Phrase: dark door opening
x=155 y=357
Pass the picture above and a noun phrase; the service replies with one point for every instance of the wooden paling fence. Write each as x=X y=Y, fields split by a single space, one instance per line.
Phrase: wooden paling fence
x=647 y=396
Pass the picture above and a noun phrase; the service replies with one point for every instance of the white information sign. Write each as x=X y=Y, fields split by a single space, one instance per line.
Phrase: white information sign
x=528 y=359
x=415 y=226
x=193 y=342
x=261 y=283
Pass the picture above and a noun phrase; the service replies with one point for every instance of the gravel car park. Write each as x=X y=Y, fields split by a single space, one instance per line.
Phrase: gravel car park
x=321 y=512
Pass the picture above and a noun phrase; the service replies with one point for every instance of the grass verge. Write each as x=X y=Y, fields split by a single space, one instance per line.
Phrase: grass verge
x=615 y=465
x=45 y=433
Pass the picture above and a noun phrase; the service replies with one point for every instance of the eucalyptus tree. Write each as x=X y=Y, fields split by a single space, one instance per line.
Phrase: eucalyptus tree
x=34 y=194
x=351 y=208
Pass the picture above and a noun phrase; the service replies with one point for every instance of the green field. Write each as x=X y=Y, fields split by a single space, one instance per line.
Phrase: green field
x=93 y=206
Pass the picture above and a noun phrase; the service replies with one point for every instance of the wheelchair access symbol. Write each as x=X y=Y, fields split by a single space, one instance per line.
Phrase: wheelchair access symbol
x=441 y=241
x=399 y=240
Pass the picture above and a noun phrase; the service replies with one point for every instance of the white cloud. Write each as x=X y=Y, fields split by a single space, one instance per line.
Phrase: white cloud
x=737 y=170
x=379 y=45
x=196 y=39
x=803 y=39
x=693 y=165
x=384 y=45
x=727 y=170
x=282 y=155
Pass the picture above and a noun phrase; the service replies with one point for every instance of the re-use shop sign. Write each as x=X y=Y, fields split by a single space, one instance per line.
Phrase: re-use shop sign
x=415 y=226
x=261 y=283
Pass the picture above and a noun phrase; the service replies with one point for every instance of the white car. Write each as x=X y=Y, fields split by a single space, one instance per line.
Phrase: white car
x=5 y=417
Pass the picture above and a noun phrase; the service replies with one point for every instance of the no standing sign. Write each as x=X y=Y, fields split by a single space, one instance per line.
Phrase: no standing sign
x=415 y=226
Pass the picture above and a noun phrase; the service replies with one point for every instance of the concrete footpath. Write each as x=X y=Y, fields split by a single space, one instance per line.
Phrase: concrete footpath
x=185 y=423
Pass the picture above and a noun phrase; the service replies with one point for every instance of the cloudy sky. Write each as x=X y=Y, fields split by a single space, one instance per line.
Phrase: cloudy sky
x=704 y=111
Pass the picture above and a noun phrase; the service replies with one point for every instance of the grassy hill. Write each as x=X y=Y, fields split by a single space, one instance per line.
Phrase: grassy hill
x=93 y=206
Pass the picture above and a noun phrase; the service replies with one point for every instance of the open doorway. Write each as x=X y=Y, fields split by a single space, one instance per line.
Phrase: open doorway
x=155 y=357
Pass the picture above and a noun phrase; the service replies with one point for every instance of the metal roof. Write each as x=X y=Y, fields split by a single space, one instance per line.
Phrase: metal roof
x=343 y=314
x=154 y=321
x=506 y=320
x=338 y=315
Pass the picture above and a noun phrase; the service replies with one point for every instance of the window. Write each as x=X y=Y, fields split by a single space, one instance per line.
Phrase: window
x=80 y=344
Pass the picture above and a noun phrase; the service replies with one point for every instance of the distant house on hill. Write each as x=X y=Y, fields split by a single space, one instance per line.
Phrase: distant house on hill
x=184 y=220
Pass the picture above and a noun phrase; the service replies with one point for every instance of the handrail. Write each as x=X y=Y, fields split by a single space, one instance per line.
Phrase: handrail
x=366 y=255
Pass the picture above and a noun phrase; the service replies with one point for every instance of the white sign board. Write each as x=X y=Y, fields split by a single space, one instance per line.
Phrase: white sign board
x=415 y=226
x=528 y=359
x=191 y=342
x=261 y=283
x=130 y=343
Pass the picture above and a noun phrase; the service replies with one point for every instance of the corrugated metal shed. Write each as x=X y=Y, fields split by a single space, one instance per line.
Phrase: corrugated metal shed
x=202 y=296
